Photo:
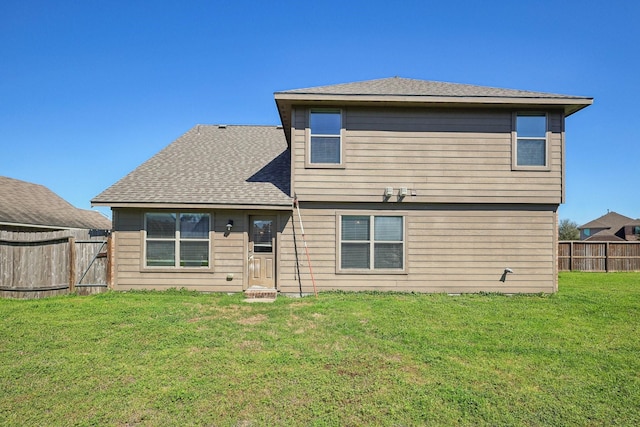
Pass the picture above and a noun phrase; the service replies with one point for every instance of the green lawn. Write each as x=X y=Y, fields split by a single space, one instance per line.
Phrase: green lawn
x=182 y=358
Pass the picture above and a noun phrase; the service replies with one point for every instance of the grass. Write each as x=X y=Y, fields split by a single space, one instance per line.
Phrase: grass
x=182 y=358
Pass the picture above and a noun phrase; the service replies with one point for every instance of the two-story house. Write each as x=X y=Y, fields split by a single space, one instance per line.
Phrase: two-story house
x=401 y=184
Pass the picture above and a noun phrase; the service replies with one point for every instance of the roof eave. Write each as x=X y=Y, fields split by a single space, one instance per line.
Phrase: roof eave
x=48 y=227
x=222 y=206
x=285 y=101
x=284 y=110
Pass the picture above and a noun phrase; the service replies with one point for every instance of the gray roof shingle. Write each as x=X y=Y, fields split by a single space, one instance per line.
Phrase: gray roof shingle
x=27 y=204
x=213 y=165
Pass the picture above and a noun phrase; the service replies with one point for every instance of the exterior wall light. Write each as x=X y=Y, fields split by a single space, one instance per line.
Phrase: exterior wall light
x=229 y=225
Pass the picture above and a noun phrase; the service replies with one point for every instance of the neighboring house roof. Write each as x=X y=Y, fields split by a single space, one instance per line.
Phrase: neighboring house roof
x=402 y=91
x=603 y=236
x=210 y=165
x=27 y=205
x=609 y=224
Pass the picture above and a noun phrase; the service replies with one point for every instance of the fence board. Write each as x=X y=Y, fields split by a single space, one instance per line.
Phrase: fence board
x=39 y=264
x=91 y=262
x=599 y=256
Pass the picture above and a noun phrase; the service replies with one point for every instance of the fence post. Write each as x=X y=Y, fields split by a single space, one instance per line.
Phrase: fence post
x=571 y=256
x=110 y=263
x=606 y=257
x=72 y=264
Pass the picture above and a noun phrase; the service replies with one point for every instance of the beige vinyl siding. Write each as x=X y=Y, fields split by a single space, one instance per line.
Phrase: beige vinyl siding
x=228 y=254
x=444 y=156
x=451 y=248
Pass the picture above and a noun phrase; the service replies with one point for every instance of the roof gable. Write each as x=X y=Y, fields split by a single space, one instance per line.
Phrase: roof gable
x=32 y=205
x=210 y=165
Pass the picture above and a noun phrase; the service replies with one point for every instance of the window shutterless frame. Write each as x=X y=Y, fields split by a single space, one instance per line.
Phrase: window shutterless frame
x=325 y=138
x=371 y=243
x=177 y=241
x=530 y=141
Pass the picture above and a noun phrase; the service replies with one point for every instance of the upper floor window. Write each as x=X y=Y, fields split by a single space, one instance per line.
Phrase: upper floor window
x=325 y=143
x=531 y=145
x=177 y=239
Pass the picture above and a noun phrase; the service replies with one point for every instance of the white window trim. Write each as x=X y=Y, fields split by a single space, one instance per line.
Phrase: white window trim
x=514 y=142
x=176 y=268
x=307 y=157
x=371 y=270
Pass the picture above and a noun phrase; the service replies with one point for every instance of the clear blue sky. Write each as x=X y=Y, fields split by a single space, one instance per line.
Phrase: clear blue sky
x=89 y=89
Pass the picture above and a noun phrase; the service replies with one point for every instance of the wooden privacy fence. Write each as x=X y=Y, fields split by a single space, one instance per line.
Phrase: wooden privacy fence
x=599 y=256
x=41 y=264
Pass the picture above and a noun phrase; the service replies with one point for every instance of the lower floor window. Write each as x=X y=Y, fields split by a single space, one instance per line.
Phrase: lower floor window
x=175 y=239
x=371 y=242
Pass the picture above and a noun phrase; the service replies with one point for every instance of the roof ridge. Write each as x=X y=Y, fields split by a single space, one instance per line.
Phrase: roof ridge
x=419 y=87
x=609 y=220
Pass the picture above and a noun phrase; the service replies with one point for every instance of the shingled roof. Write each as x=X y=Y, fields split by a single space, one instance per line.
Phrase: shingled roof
x=210 y=165
x=611 y=225
x=33 y=206
x=411 y=92
x=414 y=87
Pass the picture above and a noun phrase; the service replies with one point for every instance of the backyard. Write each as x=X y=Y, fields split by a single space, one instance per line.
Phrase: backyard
x=183 y=358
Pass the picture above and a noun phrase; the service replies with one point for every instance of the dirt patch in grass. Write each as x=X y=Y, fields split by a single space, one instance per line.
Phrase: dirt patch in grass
x=252 y=345
x=253 y=320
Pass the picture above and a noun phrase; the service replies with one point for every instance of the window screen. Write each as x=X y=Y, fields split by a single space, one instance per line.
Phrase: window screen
x=325 y=145
x=177 y=239
x=531 y=140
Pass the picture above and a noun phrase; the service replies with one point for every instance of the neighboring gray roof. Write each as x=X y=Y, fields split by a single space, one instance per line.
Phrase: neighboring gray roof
x=609 y=220
x=211 y=165
x=611 y=223
x=397 y=91
x=604 y=236
x=413 y=87
x=33 y=205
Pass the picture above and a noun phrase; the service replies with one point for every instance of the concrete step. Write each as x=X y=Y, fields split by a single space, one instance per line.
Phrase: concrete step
x=260 y=294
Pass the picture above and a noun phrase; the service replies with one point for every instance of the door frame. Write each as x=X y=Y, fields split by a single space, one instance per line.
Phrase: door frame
x=276 y=244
